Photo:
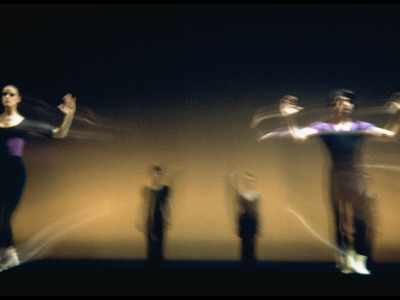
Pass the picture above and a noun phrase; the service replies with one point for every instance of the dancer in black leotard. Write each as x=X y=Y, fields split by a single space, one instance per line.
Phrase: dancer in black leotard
x=246 y=210
x=14 y=128
x=154 y=216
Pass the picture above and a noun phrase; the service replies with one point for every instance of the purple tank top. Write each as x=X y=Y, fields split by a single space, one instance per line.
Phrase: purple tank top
x=12 y=139
x=14 y=146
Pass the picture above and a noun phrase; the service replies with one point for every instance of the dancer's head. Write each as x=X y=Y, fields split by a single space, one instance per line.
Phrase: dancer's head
x=155 y=173
x=350 y=95
x=10 y=96
x=248 y=180
x=343 y=102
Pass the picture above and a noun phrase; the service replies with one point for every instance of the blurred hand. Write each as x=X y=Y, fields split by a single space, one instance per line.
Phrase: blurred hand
x=392 y=106
x=288 y=105
x=69 y=104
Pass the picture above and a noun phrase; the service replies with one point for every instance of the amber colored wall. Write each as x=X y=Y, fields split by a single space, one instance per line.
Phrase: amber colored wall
x=82 y=196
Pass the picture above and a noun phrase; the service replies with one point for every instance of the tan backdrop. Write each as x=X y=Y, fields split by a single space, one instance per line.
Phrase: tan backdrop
x=82 y=196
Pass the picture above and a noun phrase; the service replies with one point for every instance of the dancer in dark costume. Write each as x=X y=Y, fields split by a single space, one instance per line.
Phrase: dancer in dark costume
x=14 y=128
x=350 y=201
x=247 y=215
x=155 y=216
x=248 y=201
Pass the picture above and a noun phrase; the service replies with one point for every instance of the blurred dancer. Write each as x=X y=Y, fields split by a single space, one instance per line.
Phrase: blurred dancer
x=154 y=216
x=246 y=212
x=349 y=198
x=14 y=128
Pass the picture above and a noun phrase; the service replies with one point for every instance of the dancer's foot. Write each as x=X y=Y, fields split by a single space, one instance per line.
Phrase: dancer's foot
x=9 y=259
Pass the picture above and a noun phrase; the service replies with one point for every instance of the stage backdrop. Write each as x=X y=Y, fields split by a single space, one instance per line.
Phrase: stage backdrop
x=82 y=193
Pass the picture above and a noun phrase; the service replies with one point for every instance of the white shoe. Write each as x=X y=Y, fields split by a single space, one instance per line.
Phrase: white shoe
x=359 y=265
x=9 y=259
x=357 y=262
x=342 y=263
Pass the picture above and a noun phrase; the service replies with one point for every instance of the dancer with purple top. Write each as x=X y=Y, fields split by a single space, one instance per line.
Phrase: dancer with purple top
x=350 y=201
x=14 y=128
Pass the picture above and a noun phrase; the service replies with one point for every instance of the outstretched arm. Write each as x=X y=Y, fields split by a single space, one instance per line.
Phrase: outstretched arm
x=68 y=108
x=143 y=209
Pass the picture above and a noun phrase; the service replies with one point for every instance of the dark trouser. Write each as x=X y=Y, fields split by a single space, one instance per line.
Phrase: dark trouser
x=12 y=181
x=248 y=250
x=247 y=232
x=353 y=210
x=155 y=243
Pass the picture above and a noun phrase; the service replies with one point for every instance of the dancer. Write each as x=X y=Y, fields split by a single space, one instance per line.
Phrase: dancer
x=349 y=198
x=14 y=128
x=154 y=216
x=246 y=210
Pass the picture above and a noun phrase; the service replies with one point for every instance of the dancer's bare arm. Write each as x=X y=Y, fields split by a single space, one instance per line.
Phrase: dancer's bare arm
x=68 y=107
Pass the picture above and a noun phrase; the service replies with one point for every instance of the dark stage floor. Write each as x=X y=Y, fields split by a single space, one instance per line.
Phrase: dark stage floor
x=65 y=277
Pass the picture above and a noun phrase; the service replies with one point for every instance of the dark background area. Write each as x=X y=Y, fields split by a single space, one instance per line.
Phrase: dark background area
x=167 y=53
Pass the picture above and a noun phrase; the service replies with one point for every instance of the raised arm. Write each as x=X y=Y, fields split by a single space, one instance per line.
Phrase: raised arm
x=392 y=127
x=68 y=108
x=288 y=108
